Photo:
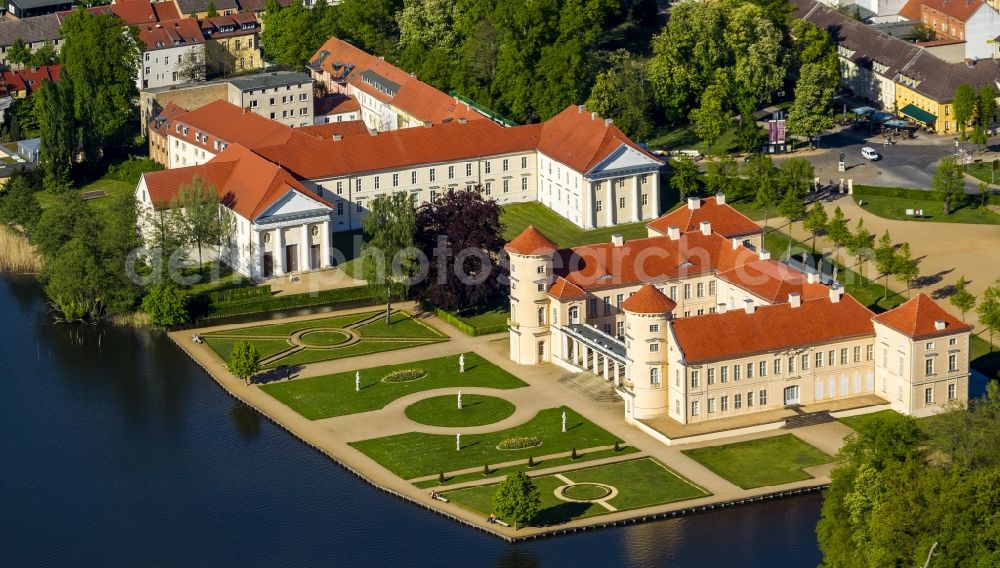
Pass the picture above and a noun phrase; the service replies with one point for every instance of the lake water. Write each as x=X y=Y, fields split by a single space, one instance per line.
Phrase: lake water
x=117 y=450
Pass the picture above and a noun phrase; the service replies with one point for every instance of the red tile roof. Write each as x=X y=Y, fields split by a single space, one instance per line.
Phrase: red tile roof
x=916 y=319
x=30 y=78
x=229 y=26
x=346 y=63
x=564 y=290
x=331 y=129
x=581 y=140
x=135 y=12
x=173 y=33
x=311 y=158
x=773 y=281
x=531 y=242
x=162 y=122
x=722 y=336
x=725 y=220
x=245 y=182
x=961 y=10
x=649 y=300
x=336 y=103
x=226 y=122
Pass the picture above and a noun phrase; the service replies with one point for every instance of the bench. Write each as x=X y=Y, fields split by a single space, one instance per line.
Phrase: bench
x=438 y=497
x=499 y=522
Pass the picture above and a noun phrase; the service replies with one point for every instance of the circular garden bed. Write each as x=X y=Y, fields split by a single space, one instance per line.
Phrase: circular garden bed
x=585 y=492
x=519 y=443
x=324 y=338
x=404 y=376
x=477 y=410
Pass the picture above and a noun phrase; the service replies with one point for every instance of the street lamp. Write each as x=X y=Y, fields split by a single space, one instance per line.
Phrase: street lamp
x=955 y=140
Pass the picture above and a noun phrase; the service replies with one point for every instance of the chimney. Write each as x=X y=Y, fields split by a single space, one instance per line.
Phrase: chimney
x=581 y=108
x=462 y=120
x=674 y=232
x=720 y=198
x=337 y=137
x=940 y=324
x=694 y=203
x=427 y=124
x=736 y=243
x=835 y=293
x=706 y=228
x=608 y=122
x=748 y=306
x=764 y=255
x=795 y=299
x=811 y=277
x=593 y=116
x=617 y=239
x=722 y=308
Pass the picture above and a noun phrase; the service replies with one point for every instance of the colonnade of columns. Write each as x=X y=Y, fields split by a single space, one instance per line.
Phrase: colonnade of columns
x=587 y=358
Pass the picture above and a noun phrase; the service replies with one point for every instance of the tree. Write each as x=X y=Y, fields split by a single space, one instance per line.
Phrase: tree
x=711 y=118
x=101 y=63
x=905 y=267
x=812 y=108
x=516 y=498
x=964 y=106
x=685 y=177
x=885 y=259
x=199 y=220
x=761 y=173
x=166 y=304
x=192 y=66
x=210 y=10
x=387 y=254
x=791 y=208
x=722 y=177
x=371 y=24
x=461 y=234
x=18 y=53
x=989 y=310
x=961 y=298
x=815 y=222
x=164 y=237
x=859 y=244
x=45 y=55
x=244 y=361
x=795 y=175
x=949 y=183
x=74 y=281
x=291 y=35
x=837 y=230
x=66 y=218
x=18 y=203
x=622 y=92
x=59 y=138
x=986 y=105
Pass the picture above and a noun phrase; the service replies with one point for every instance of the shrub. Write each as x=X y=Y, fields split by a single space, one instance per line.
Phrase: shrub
x=574 y=455
x=618 y=448
x=531 y=461
x=486 y=469
x=166 y=304
x=132 y=169
x=404 y=375
x=519 y=443
x=241 y=293
x=441 y=477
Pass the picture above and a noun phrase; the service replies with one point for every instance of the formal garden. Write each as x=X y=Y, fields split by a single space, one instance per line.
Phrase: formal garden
x=324 y=339
x=591 y=491
x=758 y=463
x=370 y=389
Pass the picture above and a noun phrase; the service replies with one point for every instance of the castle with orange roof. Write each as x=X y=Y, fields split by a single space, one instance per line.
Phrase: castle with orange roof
x=696 y=323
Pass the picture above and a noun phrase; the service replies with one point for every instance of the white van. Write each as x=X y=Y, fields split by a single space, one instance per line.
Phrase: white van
x=869 y=153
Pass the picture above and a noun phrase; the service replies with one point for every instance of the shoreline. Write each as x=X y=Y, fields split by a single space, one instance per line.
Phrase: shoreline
x=410 y=494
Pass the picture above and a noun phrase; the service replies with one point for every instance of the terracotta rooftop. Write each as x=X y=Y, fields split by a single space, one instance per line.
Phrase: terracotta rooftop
x=961 y=10
x=331 y=129
x=725 y=220
x=335 y=104
x=531 y=241
x=29 y=78
x=564 y=290
x=648 y=300
x=582 y=140
x=735 y=334
x=245 y=182
x=167 y=34
x=228 y=123
x=917 y=317
x=135 y=12
x=229 y=26
x=773 y=281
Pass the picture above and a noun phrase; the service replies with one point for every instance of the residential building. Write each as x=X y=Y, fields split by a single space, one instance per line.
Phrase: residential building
x=158 y=128
x=135 y=12
x=174 y=52
x=973 y=22
x=20 y=83
x=198 y=9
x=337 y=107
x=280 y=95
x=232 y=44
x=22 y=9
x=390 y=98
x=34 y=32
x=700 y=324
x=573 y=162
x=926 y=87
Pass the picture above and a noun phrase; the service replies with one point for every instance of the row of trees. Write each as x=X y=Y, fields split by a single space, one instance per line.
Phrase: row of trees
x=976 y=108
x=905 y=493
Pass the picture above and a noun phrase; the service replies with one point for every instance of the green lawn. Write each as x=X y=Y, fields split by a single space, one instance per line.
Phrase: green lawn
x=414 y=454
x=517 y=216
x=758 y=463
x=280 y=329
x=114 y=188
x=476 y=410
x=582 y=457
x=640 y=483
x=885 y=203
x=402 y=326
x=223 y=346
x=318 y=355
x=334 y=395
x=856 y=422
x=683 y=138
x=213 y=276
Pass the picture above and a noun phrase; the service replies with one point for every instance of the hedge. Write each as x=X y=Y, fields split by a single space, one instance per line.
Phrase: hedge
x=466 y=328
x=241 y=293
x=271 y=303
x=906 y=193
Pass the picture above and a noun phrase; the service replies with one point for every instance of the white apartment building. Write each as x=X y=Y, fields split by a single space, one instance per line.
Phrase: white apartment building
x=174 y=50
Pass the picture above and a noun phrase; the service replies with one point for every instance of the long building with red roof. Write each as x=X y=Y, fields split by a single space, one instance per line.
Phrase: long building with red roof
x=698 y=323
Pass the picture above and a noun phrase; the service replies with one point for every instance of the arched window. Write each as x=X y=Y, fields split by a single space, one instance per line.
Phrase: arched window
x=654 y=376
x=574 y=314
x=541 y=316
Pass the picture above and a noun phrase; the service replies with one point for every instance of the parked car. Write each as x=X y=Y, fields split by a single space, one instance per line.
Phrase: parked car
x=869 y=153
x=693 y=154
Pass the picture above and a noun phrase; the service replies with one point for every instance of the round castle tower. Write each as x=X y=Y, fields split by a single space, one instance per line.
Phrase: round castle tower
x=646 y=315
x=530 y=278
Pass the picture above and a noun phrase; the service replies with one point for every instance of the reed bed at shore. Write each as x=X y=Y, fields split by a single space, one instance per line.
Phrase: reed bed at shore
x=135 y=320
x=17 y=255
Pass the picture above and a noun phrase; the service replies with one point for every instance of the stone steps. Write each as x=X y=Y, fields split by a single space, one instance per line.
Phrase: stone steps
x=591 y=386
x=811 y=419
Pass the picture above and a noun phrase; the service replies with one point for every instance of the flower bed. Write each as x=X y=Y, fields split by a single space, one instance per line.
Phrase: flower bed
x=519 y=443
x=404 y=376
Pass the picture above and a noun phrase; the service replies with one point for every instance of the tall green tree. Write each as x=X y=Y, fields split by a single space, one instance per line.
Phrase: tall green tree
x=44 y=55
x=622 y=92
x=905 y=267
x=963 y=106
x=388 y=250
x=210 y=10
x=244 y=360
x=18 y=202
x=74 y=280
x=811 y=112
x=885 y=259
x=517 y=499
x=371 y=24
x=989 y=310
x=815 y=222
x=291 y=35
x=792 y=208
x=860 y=244
x=961 y=298
x=794 y=176
x=722 y=176
x=711 y=118
x=18 y=53
x=202 y=224
x=59 y=137
x=763 y=176
x=101 y=63
x=949 y=183
x=685 y=180
x=166 y=304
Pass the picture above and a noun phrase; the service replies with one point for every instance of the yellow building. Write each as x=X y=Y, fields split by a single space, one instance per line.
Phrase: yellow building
x=926 y=86
x=232 y=44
